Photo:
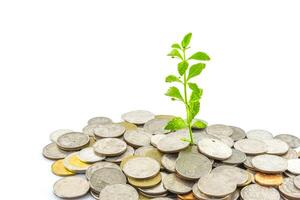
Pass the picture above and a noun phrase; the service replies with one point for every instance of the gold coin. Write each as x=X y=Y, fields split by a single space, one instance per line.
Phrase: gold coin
x=188 y=196
x=155 y=154
x=59 y=169
x=124 y=160
x=268 y=179
x=74 y=164
x=164 y=116
x=143 y=197
x=128 y=126
x=145 y=183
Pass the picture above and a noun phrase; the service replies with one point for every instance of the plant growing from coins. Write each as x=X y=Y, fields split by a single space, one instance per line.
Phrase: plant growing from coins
x=186 y=73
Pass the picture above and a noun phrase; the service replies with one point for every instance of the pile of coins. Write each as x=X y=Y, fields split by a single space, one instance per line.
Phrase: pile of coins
x=137 y=159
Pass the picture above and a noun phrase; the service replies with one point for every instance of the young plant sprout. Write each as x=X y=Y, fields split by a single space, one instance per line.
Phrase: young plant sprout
x=186 y=74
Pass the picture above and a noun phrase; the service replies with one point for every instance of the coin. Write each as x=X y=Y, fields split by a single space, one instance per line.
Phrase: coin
x=154 y=140
x=109 y=130
x=172 y=143
x=226 y=140
x=88 y=155
x=110 y=147
x=156 y=126
x=59 y=169
x=145 y=183
x=99 y=165
x=51 y=151
x=74 y=164
x=214 y=149
x=138 y=117
x=73 y=141
x=100 y=120
x=129 y=152
x=268 y=179
x=232 y=174
x=168 y=161
x=238 y=133
x=106 y=176
x=276 y=146
x=297 y=182
x=89 y=129
x=95 y=195
x=257 y=192
x=151 y=153
x=141 y=168
x=291 y=140
x=156 y=190
x=288 y=189
x=219 y=129
x=56 y=134
x=250 y=179
x=169 y=117
x=188 y=196
x=128 y=126
x=176 y=185
x=251 y=146
x=291 y=154
x=192 y=166
x=137 y=137
x=71 y=187
x=216 y=185
x=258 y=134
x=269 y=164
x=294 y=166
x=237 y=157
x=119 y=191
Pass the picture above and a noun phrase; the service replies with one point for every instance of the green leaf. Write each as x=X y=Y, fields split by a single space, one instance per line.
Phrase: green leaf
x=175 y=53
x=172 y=78
x=182 y=67
x=175 y=124
x=195 y=70
x=176 y=46
x=194 y=108
x=174 y=93
x=193 y=86
x=200 y=56
x=198 y=123
x=196 y=92
x=186 y=40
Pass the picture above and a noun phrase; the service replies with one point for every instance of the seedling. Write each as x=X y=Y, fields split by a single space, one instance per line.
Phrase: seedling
x=186 y=73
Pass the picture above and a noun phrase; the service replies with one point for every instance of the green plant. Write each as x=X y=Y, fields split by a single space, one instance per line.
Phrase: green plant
x=186 y=73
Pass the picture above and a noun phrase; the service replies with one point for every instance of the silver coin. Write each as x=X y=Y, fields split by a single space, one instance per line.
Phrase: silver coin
x=219 y=129
x=294 y=166
x=154 y=140
x=259 y=134
x=291 y=140
x=291 y=154
x=88 y=155
x=237 y=157
x=216 y=185
x=137 y=137
x=90 y=129
x=276 y=147
x=226 y=140
x=106 y=176
x=99 y=165
x=110 y=147
x=116 y=159
x=251 y=146
x=71 y=187
x=258 y=192
x=192 y=165
x=288 y=189
x=156 y=126
x=238 y=133
x=269 y=163
x=289 y=174
x=118 y=192
x=73 y=141
x=109 y=130
x=176 y=185
x=100 y=120
x=199 y=195
x=141 y=168
x=248 y=162
x=143 y=150
x=172 y=143
x=214 y=149
x=138 y=117
x=95 y=195
x=297 y=181
x=51 y=151
x=156 y=190
x=168 y=161
x=232 y=174
x=56 y=134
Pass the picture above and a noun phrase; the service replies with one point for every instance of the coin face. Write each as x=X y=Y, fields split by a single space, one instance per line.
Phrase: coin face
x=269 y=163
x=51 y=151
x=276 y=147
x=154 y=140
x=109 y=130
x=74 y=164
x=156 y=126
x=116 y=159
x=219 y=129
x=291 y=154
x=150 y=152
x=258 y=134
x=297 y=182
x=156 y=190
x=168 y=161
x=294 y=166
x=59 y=169
x=56 y=134
x=71 y=187
x=251 y=146
x=138 y=117
x=128 y=126
x=106 y=176
x=145 y=183
x=88 y=155
x=238 y=133
x=176 y=185
x=119 y=191
x=268 y=180
x=73 y=141
x=100 y=121
x=89 y=129
x=141 y=168
x=137 y=137
x=232 y=174
x=291 y=140
x=99 y=165
x=289 y=189
x=216 y=185
x=257 y=192
x=237 y=157
x=172 y=143
x=214 y=149
x=110 y=147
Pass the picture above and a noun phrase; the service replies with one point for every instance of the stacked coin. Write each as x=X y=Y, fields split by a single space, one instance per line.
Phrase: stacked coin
x=138 y=159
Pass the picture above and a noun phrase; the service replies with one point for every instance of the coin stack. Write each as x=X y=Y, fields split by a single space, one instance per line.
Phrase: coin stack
x=138 y=159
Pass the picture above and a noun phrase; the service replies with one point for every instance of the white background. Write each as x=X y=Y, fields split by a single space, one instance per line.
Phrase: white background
x=65 y=61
